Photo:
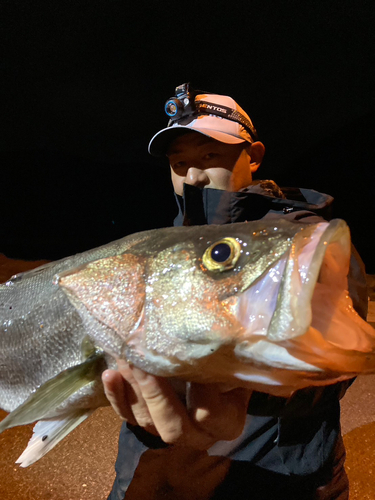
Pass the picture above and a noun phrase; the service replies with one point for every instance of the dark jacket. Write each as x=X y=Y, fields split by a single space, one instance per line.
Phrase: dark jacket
x=286 y=442
x=261 y=199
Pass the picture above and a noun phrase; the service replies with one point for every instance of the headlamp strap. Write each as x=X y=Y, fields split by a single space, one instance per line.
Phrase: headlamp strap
x=208 y=108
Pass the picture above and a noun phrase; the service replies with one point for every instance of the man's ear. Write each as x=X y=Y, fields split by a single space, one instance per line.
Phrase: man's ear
x=256 y=152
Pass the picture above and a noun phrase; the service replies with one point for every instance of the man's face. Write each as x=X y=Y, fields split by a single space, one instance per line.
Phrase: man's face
x=198 y=160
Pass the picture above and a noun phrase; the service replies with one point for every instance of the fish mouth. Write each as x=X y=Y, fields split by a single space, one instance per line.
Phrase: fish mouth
x=323 y=260
x=282 y=296
x=302 y=306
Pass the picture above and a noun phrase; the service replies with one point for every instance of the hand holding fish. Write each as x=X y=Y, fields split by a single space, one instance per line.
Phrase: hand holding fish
x=152 y=403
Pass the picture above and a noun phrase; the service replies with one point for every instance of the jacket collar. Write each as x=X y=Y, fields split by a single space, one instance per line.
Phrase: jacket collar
x=200 y=206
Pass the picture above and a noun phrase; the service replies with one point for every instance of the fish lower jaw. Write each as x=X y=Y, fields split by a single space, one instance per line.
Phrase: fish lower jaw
x=274 y=383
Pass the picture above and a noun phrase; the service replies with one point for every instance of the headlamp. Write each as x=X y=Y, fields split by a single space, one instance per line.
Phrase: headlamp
x=183 y=105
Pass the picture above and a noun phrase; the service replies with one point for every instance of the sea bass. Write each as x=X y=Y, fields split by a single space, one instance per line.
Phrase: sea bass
x=261 y=304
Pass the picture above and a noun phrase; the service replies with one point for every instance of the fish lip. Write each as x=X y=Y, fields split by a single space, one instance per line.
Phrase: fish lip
x=289 y=314
x=293 y=314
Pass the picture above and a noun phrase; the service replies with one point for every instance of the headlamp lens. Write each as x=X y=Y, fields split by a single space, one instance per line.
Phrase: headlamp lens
x=172 y=107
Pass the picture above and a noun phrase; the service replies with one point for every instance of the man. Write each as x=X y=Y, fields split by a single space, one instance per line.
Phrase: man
x=239 y=444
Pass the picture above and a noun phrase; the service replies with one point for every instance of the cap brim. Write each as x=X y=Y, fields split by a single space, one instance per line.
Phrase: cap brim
x=159 y=144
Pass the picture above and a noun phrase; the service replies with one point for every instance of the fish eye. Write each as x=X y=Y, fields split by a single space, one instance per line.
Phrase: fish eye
x=222 y=255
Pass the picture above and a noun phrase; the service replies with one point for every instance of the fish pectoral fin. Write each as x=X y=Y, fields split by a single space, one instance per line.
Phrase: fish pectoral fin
x=46 y=435
x=54 y=392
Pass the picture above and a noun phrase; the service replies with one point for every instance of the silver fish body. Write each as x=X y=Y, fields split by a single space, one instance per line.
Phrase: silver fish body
x=259 y=304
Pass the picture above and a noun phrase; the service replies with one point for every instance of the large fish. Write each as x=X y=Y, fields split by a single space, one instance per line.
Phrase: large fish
x=262 y=305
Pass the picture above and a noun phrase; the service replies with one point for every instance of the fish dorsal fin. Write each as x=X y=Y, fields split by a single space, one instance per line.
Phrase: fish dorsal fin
x=54 y=392
x=46 y=435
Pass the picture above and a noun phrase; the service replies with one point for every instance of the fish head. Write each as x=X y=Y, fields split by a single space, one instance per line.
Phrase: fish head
x=183 y=296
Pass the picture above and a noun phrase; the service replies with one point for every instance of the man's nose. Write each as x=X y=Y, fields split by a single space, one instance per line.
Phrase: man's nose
x=196 y=177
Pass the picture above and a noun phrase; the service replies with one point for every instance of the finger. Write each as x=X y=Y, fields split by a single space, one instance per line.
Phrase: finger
x=135 y=399
x=116 y=391
x=222 y=414
x=168 y=413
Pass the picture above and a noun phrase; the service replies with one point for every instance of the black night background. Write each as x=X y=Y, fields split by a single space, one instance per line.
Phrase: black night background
x=84 y=84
